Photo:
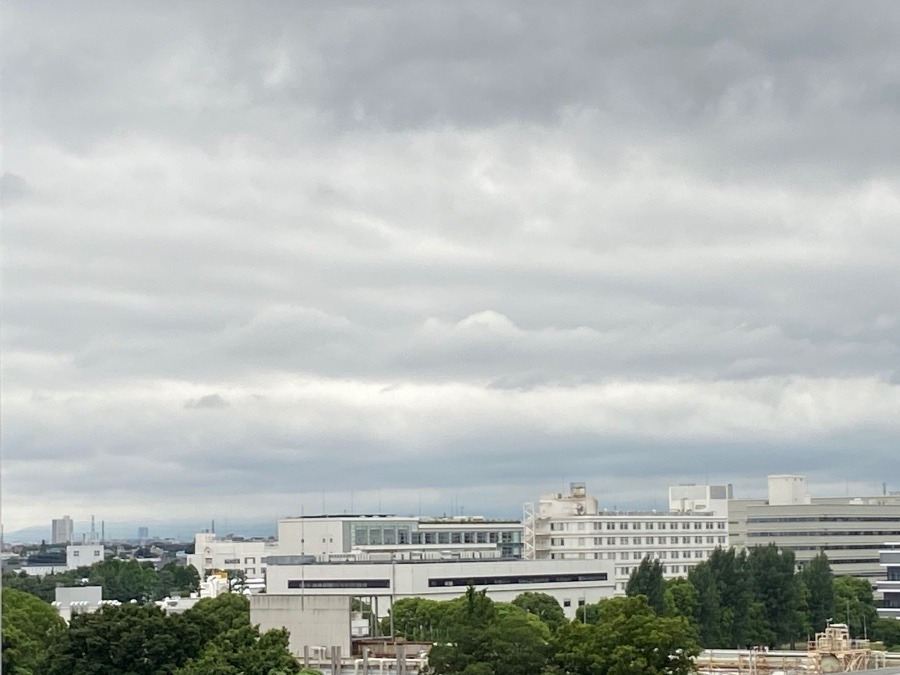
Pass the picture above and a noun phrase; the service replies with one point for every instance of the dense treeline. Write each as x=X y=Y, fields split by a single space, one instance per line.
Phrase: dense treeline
x=215 y=636
x=757 y=597
x=476 y=636
x=120 y=579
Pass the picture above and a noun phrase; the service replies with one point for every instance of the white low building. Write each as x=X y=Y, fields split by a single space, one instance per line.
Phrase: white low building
x=572 y=582
x=313 y=600
x=572 y=527
x=72 y=600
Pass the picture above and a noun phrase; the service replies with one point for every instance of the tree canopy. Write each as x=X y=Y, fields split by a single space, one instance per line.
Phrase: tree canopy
x=30 y=626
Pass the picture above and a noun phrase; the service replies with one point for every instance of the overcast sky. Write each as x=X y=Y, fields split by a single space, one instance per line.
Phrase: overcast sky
x=258 y=255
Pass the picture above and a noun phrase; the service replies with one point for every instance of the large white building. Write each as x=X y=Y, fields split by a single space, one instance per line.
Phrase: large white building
x=331 y=537
x=62 y=530
x=572 y=527
x=849 y=530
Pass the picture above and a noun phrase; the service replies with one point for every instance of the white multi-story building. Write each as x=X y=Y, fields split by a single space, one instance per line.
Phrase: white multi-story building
x=247 y=556
x=889 y=586
x=62 y=530
x=331 y=537
x=849 y=530
x=572 y=527
x=83 y=555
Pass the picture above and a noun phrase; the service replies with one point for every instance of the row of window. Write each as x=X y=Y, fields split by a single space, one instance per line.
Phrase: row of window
x=634 y=555
x=477 y=537
x=667 y=569
x=339 y=583
x=369 y=535
x=249 y=560
x=517 y=579
x=637 y=541
x=582 y=526
x=827 y=533
x=827 y=519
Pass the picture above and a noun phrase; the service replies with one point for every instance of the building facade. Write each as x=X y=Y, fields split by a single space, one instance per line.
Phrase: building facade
x=62 y=530
x=889 y=584
x=571 y=527
x=849 y=530
x=329 y=537
x=247 y=556
x=84 y=555
x=573 y=583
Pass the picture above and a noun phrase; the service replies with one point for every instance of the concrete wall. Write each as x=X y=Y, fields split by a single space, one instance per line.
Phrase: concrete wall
x=311 y=620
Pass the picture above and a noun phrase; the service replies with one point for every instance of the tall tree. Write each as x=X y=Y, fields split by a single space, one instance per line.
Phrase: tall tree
x=854 y=604
x=244 y=651
x=543 y=606
x=819 y=581
x=628 y=638
x=486 y=638
x=681 y=599
x=775 y=586
x=134 y=639
x=709 y=607
x=30 y=628
x=647 y=580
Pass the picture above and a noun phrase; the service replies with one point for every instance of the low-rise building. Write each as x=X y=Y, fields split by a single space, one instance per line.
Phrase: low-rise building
x=312 y=600
x=572 y=527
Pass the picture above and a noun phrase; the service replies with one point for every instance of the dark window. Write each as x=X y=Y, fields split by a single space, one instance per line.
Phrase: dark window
x=519 y=579
x=339 y=583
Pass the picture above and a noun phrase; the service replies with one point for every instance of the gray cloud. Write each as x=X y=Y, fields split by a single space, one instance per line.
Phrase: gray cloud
x=636 y=245
x=209 y=401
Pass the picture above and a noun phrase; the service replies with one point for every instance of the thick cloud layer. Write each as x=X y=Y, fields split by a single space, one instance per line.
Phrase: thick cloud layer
x=258 y=256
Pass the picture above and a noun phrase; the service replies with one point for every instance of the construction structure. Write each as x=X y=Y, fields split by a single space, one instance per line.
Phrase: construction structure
x=832 y=651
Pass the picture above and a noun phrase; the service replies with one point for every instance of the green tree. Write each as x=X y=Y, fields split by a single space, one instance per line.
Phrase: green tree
x=30 y=628
x=212 y=617
x=681 y=599
x=130 y=638
x=543 y=606
x=819 y=581
x=854 y=604
x=174 y=578
x=421 y=619
x=244 y=651
x=776 y=587
x=709 y=607
x=628 y=638
x=487 y=638
x=887 y=631
x=647 y=580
